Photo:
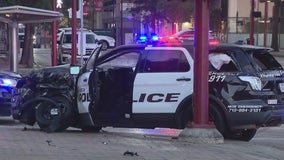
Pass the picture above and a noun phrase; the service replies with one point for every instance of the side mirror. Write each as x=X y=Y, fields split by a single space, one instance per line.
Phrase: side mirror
x=74 y=70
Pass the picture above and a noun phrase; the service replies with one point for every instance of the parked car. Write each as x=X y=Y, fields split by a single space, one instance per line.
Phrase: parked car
x=65 y=46
x=105 y=41
x=186 y=35
x=147 y=87
x=8 y=81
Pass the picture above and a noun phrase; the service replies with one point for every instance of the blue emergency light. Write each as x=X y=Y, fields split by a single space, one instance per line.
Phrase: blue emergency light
x=8 y=82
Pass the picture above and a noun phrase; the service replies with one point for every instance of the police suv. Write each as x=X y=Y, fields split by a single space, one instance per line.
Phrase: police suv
x=146 y=87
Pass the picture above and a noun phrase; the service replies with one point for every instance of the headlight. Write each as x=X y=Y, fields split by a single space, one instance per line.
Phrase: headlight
x=8 y=82
x=254 y=82
x=281 y=87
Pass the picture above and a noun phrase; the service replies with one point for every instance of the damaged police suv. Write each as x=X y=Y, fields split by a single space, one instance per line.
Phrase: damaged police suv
x=146 y=87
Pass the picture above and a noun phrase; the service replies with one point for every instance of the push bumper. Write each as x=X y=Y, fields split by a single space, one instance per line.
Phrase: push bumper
x=5 y=106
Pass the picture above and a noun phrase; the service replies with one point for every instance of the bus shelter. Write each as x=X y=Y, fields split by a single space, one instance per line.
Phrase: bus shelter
x=13 y=15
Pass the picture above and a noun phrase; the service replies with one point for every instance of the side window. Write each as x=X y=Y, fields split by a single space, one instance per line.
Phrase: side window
x=67 y=38
x=166 y=61
x=221 y=62
x=129 y=59
x=90 y=38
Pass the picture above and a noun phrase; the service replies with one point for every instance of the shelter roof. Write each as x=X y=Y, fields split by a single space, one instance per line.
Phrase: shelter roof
x=22 y=14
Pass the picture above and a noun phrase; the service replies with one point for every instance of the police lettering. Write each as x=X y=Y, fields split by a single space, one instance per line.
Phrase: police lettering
x=158 y=97
x=84 y=97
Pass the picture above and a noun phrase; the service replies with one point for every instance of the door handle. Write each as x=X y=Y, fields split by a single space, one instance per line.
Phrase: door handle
x=183 y=79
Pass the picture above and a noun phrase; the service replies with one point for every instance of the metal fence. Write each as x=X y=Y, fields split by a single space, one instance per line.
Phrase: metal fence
x=239 y=29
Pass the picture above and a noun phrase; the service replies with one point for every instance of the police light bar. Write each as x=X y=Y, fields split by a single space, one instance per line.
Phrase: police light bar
x=143 y=38
x=155 y=38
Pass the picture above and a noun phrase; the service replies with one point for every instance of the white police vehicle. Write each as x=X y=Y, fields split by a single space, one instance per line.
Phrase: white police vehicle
x=146 y=87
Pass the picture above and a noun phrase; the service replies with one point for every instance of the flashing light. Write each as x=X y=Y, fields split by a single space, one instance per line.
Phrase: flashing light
x=146 y=39
x=155 y=38
x=143 y=38
x=8 y=82
x=213 y=42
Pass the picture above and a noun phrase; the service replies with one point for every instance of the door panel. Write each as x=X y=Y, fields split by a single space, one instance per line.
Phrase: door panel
x=166 y=79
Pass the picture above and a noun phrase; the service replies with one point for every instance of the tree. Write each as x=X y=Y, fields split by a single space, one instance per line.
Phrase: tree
x=177 y=11
x=27 y=58
x=163 y=10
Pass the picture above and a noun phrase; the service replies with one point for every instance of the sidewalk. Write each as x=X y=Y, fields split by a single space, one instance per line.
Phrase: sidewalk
x=278 y=54
x=5 y=66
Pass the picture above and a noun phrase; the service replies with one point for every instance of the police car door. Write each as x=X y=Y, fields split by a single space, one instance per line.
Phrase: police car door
x=163 y=80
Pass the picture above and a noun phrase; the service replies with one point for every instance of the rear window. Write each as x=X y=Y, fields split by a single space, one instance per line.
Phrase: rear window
x=265 y=60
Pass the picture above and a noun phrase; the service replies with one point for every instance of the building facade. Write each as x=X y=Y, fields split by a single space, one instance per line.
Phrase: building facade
x=238 y=22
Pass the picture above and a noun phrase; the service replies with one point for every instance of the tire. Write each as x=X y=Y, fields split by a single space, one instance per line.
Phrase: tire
x=60 y=119
x=91 y=128
x=184 y=114
x=216 y=116
x=242 y=135
x=104 y=45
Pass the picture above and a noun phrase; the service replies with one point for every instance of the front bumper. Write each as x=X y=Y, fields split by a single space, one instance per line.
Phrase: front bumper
x=5 y=106
x=5 y=100
x=16 y=107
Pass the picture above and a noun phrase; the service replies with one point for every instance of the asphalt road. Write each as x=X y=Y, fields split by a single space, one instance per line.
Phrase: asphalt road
x=18 y=141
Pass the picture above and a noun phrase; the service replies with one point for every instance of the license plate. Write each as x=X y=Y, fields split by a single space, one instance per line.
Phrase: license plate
x=281 y=87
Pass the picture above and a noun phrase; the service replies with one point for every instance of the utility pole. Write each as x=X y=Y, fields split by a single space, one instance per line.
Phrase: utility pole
x=54 y=36
x=200 y=127
x=251 y=41
x=265 y=22
x=74 y=32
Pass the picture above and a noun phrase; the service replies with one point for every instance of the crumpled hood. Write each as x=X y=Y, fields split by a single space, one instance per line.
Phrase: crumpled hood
x=52 y=76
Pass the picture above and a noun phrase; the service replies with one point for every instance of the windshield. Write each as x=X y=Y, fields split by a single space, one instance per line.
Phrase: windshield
x=265 y=60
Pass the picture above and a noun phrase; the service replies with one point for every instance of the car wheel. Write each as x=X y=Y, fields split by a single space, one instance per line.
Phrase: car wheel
x=104 y=45
x=54 y=115
x=184 y=114
x=242 y=135
x=91 y=128
x=216 y=116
